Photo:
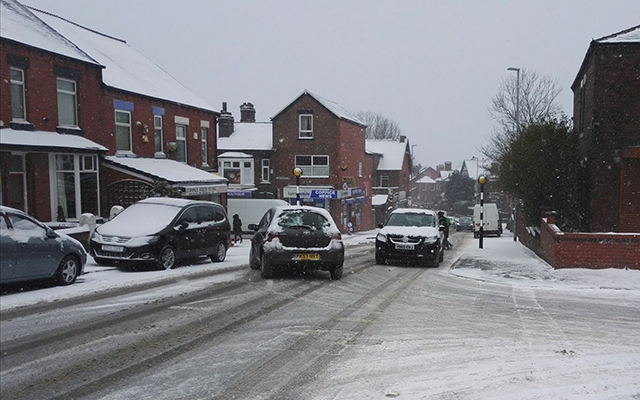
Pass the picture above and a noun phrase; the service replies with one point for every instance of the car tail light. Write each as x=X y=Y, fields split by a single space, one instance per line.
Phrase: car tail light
x=336 y=236
x=271 y=235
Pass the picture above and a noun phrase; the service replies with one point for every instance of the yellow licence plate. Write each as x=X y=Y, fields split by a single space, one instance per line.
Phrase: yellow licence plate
x=306 y=256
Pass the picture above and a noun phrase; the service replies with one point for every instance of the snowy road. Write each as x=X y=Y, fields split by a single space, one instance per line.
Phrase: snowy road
x=380 y=332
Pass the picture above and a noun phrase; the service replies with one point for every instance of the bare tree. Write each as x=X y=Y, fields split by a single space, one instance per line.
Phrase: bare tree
x=379 y=126
x=518 y=105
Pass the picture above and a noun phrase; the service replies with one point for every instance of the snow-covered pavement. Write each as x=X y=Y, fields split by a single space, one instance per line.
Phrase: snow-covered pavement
x=501 y=260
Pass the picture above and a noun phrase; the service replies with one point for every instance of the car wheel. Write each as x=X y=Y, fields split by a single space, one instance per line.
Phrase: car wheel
x=167 y=259
x=221 y=253
x=379 y=259
x=266 y=268
x=336 y=272
x=254 y=262
x=68 y=270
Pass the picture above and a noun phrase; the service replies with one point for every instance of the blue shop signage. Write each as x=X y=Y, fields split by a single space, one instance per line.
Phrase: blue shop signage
x=324 y=194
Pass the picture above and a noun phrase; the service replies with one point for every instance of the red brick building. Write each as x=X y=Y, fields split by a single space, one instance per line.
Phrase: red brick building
x=607 y=117
x=70 y=96
x=328 y=144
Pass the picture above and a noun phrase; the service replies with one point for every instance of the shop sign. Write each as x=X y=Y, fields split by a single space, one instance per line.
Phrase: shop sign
x=203 y=189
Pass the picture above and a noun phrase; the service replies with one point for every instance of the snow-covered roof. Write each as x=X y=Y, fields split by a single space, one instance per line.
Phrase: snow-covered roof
x=169 y=170
x=473 y=167
x=332 y=106
x=34 y=139
x=124 y=67
x=392 y=152
x=628 y=35
x=234 y=154
x=425 y=179
x=378 y=199
x=445 y=174
x=19 y=24
x=248 y=136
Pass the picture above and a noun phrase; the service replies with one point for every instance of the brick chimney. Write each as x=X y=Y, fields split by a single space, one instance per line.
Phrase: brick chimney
x=247 y=113
x=447 y=165
x=439 y=167
x=402 y=138
x=225 y=122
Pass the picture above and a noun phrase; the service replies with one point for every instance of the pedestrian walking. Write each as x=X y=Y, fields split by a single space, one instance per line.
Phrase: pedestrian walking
x=443 y=220
x=237 y=228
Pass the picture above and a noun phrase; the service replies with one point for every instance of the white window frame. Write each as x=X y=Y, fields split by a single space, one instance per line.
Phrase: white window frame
x=158 y=136
x=314 y=170
x=74 y=95
x=18 y=84
x=181 y=136
x=82 y=164
x=383 y=178
x=305 y=132
x=240 y=166
x=265 y=176
x=204 y=132
x=120 y=127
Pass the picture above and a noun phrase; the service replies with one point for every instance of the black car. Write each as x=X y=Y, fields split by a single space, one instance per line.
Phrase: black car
x=296 y=236
x=31 y=250
x=161 y=231
x=464 y=224
x=411 y=234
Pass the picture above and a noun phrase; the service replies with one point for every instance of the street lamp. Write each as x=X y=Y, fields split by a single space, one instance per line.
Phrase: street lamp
x=481 y=180
x=297 y=172
x=514 y=209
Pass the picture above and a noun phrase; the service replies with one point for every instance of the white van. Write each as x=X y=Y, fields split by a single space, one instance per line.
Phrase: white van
x=490 y=218
x=251 y=211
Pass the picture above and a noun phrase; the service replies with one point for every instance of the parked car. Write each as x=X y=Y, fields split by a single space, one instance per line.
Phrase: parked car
x=162 y=231
x=299 y=237
x=30 y=250
x=464 y=224
x=410 y=234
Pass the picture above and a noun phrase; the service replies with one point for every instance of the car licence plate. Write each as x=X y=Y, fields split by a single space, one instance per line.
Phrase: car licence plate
x=404 y=246
x=115 y=249
x=306 y=256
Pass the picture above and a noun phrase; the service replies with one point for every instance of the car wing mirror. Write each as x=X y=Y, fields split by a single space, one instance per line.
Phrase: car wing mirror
x=380 y=226
x=51 y=233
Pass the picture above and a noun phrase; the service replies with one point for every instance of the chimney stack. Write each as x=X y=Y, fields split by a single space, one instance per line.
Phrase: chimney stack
x=402 y=138
x=247 y=113
x=447 y=165
x=225 y=122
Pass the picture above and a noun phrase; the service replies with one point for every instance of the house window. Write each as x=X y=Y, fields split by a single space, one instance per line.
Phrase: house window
x=67 y=103
x=18 y=109
x=75 y=185
x=384 y=180
x=123 y=130
x=306 y=126
x=313 y=166
x=266 y=170
x=17 y=182
x=157 y=133
x=203 y=135
x=181 y=143
x=237 y=171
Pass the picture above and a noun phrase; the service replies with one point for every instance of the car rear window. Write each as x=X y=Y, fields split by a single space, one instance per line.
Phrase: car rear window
x=303 y=218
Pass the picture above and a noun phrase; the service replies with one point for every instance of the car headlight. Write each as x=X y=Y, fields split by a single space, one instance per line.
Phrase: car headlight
x=381 y=237
x=430 y=239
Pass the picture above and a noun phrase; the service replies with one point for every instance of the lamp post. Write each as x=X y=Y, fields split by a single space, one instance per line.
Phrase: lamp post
x=514 y=209
x=297 y=172
x=481 y=180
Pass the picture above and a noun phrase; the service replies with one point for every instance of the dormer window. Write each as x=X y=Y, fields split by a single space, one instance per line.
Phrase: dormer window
x=306 y=126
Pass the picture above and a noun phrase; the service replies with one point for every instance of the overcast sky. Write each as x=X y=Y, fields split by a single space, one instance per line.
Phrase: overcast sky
x=430 y=66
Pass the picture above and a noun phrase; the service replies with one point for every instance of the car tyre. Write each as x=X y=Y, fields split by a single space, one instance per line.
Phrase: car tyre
x=266 y=267
x=220 y=254
x=167 y=258
x=336 y=272
x=254 y=262
x=379 y=259
x=68 y=270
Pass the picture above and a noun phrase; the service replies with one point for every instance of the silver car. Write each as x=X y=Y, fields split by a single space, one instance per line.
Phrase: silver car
x=30 y=250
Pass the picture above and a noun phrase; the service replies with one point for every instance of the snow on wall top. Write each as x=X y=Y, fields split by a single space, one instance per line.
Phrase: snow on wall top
x=248 y=136
x=125 y=67
x=628 y=35
x=392 y=153
x=21 y=25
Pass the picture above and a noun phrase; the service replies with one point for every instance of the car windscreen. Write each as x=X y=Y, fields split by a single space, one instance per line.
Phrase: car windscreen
x=411 y=219
x=141 y=219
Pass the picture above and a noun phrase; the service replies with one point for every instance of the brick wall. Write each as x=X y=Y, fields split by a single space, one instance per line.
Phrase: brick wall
x=588 y=250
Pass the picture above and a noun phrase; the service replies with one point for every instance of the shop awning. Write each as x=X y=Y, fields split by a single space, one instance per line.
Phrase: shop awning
x=192 y=180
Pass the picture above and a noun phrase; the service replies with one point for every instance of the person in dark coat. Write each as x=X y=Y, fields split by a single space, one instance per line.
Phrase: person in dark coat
x=237 y=228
